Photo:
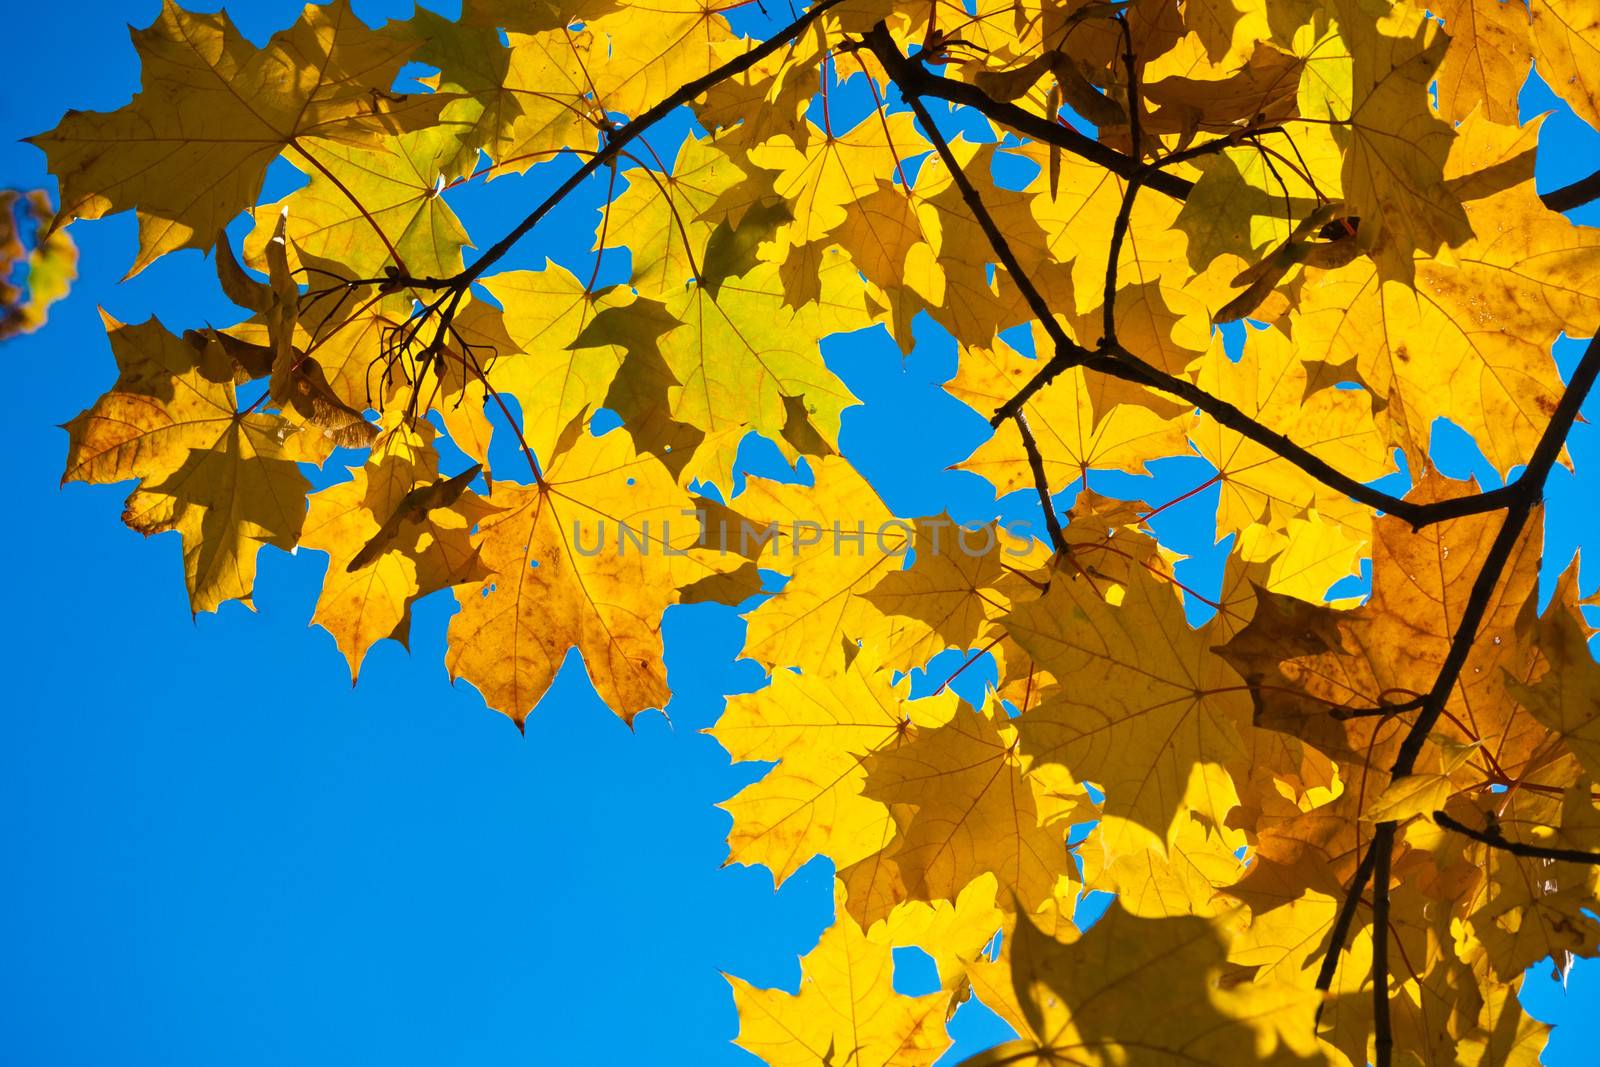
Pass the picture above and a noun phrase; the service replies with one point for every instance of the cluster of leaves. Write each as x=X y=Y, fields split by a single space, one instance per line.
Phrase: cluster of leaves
x=37 y=264
x=1338 y=832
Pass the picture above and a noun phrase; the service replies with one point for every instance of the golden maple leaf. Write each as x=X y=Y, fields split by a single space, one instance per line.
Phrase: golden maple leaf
x=215 y=111
x=227 y=480
x=846 y=1011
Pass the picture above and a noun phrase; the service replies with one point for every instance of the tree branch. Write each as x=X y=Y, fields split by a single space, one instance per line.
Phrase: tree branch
x=1119 y=234
x=1116 y=360
x=1131 y=368
x=1067 y=352
x=1378 y=712
x=1495 y=839
x=1525 y=494
x=1130 y=65
x=1382 y=1026
x=1052 y=522
x=1342 y=924
x=1580 y=192
x=914 y=79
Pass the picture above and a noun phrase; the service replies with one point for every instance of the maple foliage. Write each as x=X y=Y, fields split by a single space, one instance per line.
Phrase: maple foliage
x=46 y=259
x=1338 y=831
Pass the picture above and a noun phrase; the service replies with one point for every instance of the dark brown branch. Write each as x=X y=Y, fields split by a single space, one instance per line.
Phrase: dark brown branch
x=1119 y=234
x=1067 y=351
x=1041 y=483
x=1378 y=712
x=915 y=79
x=1580 y=192
x=1525 y=495
x=1130 y=64
x=1118 y=361
x=1495 y=839
x=1342 y=923
x=1130 y=368
x=1041 y=378
x=1382 y=1025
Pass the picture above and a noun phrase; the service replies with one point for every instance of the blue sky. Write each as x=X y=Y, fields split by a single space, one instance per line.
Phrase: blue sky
x=218 y=851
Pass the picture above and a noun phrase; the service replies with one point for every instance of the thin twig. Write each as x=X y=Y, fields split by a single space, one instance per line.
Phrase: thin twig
x=1342 y=924
x=625 y=134
x=1381 y=711
x=1066 y=348
x=1119 y=234
x=1130 y=64
x=1052 y=522
x=918 y=80
x=1495 y=839
x=1382 y=1026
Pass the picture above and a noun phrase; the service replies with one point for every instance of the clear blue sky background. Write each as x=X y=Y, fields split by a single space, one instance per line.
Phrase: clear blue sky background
x=215 y=851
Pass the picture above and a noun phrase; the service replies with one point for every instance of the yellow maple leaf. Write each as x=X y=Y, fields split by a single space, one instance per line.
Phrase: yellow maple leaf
x=960 y=582
x=389 y=542
x=1488 y=59
x=846 y=1012
x=1566 y=45
x=743 y=355
x=659 y=216
x=190 y=151
x=1271 y=385
x=1368 y=77
x=1079 y=421
x=822 y=173
x=965 y=806
x=1470 y=342
x=589 y=559
x=820 y=731
x=553 y=378
x=519 y=102
x=636 y=55
x=837 y=540
x=1087 y=999
x=1135 y=713
x=227 y=480
x=366 y=208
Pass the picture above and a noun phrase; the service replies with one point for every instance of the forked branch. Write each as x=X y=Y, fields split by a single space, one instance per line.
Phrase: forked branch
x=1523 y=496
x=1117 y=361
x=1517 y=499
